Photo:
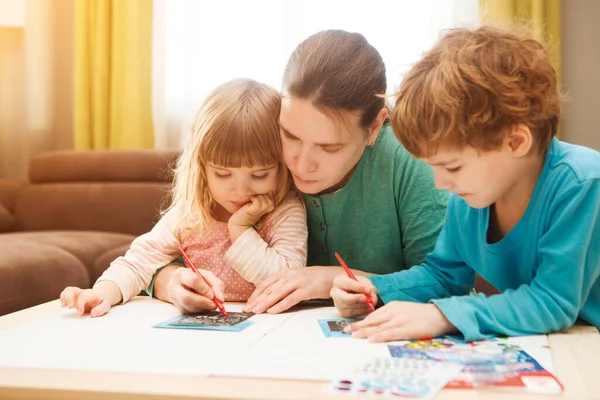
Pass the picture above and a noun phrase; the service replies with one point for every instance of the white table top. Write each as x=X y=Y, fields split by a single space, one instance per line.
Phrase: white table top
x=576 y=358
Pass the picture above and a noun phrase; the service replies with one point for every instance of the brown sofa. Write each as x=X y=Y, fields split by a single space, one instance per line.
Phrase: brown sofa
x=77 y=212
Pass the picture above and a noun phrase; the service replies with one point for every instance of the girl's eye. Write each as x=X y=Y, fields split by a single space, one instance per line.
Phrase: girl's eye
x=288 y=136
x=452 y=170
x=222 y=176
x=259 y=177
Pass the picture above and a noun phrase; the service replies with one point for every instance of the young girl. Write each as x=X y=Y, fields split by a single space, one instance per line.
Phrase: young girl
x=232 y=213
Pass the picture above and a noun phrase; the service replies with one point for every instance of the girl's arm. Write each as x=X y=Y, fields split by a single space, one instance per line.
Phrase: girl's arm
x=133 y=272
x=255 y=259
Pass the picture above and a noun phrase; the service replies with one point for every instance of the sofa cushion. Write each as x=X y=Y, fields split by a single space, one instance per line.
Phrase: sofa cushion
x=7 y=220
x=33 y=273
x=36 y=266
x=86 y=246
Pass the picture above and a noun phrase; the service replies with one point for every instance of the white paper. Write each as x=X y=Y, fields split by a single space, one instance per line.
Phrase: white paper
x=298 y=349
x=124 y=340
x=290 y=345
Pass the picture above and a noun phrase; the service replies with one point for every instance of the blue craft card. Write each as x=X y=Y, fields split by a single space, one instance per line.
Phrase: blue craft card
x=334 y=327
x=211 y=320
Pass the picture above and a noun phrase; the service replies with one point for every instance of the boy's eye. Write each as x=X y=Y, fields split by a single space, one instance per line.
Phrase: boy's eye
x=451 y=170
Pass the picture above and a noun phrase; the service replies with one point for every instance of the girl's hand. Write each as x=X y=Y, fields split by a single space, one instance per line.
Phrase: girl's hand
x=350 y=296
x=402 y=320
x=249 y=214
x=288 y=287
x=189 y=293
x=97 y=301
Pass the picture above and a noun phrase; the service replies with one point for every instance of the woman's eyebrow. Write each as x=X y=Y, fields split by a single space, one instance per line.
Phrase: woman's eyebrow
x=316 y=144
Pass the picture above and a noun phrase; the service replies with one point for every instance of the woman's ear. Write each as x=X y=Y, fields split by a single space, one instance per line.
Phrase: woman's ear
x=519 y=140
x=376 y=126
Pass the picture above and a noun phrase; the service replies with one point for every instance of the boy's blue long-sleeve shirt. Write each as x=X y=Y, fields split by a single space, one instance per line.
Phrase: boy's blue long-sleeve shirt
x=547 y=267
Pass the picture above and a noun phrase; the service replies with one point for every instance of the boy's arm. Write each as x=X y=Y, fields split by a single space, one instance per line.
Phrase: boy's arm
x=420 y=206
x=149 y=252
x=569 y=265
x=254 y=259
x=443 y=274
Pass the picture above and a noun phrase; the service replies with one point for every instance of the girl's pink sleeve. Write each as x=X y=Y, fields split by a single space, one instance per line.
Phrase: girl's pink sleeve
x=255 y=259
x=133 y=272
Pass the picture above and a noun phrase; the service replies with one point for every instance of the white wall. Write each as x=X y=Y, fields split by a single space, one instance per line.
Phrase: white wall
x=580 y=21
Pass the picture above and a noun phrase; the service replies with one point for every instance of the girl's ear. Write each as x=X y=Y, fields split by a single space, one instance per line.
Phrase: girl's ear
x=519 y=140
x=376 y=126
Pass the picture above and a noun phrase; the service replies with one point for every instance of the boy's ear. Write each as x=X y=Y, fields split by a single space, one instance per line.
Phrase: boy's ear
x=519 y=140
x=376 y=126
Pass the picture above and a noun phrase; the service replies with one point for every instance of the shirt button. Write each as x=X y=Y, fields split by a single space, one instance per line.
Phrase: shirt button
x=324 y=249
x=322 y=226
x=316 y=204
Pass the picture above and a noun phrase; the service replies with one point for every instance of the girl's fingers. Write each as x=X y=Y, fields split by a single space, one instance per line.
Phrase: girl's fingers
x=100 y=309
x=217 y=285
x=192 y=302
x=68 y=297
x=86 y=299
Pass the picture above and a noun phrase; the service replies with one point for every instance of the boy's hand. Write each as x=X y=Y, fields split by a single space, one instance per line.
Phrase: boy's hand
x=97 y=301
x=349 y=296
x=402 y=320
x=249 y=214
x=189 y=293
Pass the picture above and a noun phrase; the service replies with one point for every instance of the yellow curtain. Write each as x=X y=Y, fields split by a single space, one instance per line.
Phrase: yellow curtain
x=36 y=85
x=113 y=60
x=542 y=16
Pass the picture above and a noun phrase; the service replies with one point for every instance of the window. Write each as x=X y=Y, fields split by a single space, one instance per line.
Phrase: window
x=200 y=44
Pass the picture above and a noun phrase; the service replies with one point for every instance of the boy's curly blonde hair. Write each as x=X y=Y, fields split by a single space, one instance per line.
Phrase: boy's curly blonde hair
x=472 y=86
x=236 y=126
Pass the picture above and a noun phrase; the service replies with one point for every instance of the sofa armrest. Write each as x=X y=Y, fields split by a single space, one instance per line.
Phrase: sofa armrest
x=8 y=195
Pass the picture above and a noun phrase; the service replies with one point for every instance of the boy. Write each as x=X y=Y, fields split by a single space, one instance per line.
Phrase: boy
x=482 y=108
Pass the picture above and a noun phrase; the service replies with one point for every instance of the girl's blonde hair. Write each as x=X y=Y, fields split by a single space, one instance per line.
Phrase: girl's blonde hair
x=236 y=126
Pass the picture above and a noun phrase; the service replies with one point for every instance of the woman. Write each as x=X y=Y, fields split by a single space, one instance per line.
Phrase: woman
x=366 y=197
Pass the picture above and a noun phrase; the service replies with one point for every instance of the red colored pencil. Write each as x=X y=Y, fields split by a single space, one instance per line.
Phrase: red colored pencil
x=351 y=276
x=193 y=267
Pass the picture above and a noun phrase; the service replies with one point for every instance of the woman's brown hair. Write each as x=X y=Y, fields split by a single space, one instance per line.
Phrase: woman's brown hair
x=337 y=70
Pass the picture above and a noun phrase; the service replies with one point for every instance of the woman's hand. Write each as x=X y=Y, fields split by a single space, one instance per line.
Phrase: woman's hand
x=288 y=287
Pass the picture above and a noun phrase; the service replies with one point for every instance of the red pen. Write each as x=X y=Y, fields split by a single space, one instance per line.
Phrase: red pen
x=193 y=267
x=351 y=276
